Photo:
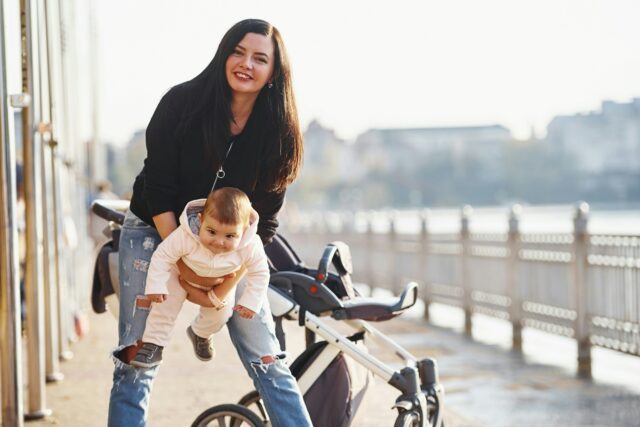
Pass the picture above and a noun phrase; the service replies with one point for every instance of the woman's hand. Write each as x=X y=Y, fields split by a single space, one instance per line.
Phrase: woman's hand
x=244 y=312
x=188 y=274
x=195 y=295
x=157 y=297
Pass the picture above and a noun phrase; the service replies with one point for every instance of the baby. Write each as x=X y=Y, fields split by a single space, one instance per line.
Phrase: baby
x=213 y=240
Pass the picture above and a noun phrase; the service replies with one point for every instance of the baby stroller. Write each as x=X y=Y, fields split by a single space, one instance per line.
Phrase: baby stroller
x=333 y=374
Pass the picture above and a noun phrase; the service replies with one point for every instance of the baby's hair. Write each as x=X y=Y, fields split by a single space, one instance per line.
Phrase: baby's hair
x=228 y=205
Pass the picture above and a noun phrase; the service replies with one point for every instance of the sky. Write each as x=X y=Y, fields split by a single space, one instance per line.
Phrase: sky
x=385 y=64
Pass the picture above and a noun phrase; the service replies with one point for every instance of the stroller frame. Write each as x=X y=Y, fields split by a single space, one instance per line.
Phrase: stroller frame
x=421 y=394
x=303 y=295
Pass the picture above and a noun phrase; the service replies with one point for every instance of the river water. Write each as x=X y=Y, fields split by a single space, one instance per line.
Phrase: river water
x=532 y=219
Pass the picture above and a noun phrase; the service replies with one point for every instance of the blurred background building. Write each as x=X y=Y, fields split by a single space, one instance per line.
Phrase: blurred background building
x=592 y=156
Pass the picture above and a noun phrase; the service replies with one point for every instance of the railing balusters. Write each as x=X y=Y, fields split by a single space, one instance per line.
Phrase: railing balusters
x=576 y=285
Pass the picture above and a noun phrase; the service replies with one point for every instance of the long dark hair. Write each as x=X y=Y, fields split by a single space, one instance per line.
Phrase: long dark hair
x=272 y=131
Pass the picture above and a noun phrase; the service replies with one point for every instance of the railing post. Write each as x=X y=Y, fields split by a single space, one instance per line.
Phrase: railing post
x=62 y=303
x=52 y=355
x=424 y=255
x=579 y=277
x=515 y=308
x=348 y=226
x=371 y=275
x=327 y=229
x=465 y=239
x=394 y=276
x=320 y=232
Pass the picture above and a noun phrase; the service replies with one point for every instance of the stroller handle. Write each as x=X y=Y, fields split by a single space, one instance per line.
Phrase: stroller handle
x=111 y=210
x=338 y=254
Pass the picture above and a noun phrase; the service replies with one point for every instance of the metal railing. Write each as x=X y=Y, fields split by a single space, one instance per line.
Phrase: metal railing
x=576 y=284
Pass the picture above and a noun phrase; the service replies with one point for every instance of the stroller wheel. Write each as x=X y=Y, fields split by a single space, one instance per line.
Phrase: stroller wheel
x=407 y=419
x=253 y=401
x=228 y=415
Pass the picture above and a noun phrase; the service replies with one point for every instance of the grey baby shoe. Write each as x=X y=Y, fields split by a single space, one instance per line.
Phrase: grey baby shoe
x=203 y=347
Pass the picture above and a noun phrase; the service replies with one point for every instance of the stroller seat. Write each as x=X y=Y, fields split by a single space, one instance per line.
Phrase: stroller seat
x=320 y=300
x=378 y=309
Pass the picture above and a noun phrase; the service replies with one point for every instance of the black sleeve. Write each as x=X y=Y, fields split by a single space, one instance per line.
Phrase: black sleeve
x=162 y=163
x=267 y=204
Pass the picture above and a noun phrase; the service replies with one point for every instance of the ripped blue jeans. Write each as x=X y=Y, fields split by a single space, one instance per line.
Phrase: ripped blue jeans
x=253 y=339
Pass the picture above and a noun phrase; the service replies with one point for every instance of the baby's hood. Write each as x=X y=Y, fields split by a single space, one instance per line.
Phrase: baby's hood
x=189 y=218
x=251 y=231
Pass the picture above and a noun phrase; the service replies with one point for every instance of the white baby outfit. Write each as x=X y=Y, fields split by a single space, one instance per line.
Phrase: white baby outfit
x=162 y=277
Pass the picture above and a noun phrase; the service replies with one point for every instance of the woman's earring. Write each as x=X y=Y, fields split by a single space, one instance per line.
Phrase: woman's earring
x=269 y=85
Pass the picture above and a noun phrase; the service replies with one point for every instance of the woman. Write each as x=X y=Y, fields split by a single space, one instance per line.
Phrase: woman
x=236 y=121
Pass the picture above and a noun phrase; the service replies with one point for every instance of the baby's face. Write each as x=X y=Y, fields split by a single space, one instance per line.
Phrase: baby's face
x=217 y=237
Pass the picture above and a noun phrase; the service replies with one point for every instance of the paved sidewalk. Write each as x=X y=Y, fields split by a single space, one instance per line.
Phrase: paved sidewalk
x=185 y=386
x=485 y=385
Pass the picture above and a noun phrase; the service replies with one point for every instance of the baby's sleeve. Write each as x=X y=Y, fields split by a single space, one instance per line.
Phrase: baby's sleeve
x=169 y=251
x=255 y=291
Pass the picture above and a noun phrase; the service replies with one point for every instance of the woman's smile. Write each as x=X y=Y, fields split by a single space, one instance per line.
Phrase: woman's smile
x=242 y=76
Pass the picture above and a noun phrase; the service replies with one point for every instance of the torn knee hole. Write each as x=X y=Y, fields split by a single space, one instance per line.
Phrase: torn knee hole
x=142 y=301
x=267 y=360
x=127 y=354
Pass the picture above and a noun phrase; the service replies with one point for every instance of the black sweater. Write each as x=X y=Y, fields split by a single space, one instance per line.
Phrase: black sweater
x=178 y=170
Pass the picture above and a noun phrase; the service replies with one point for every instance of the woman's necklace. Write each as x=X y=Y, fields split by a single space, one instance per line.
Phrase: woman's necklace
x=221 y=173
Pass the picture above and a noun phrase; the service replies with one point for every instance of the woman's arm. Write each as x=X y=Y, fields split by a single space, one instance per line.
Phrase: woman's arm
x=267 y=204
x=165 y=223
x=195 y=295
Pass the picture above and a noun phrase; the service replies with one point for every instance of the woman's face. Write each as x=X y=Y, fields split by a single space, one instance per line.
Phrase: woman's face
x=250 y=65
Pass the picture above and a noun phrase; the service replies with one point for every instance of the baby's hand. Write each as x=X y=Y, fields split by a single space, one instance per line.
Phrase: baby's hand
x=244 y=312
x=157 y=297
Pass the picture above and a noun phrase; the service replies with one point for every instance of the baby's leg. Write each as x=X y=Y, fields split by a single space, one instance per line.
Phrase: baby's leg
x=209 y=320
x=163 y=315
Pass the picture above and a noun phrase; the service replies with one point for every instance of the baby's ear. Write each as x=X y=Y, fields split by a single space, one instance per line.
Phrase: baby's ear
x=200 y=216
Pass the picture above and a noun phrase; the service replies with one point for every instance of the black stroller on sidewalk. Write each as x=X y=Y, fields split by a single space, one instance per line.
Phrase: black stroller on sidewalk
x=334 y=373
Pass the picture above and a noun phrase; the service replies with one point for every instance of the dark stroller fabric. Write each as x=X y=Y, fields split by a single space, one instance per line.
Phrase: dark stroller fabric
x=306 y=358
x=102 y=285
x=335 y=396
x=329 y=398
x=281 y=256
